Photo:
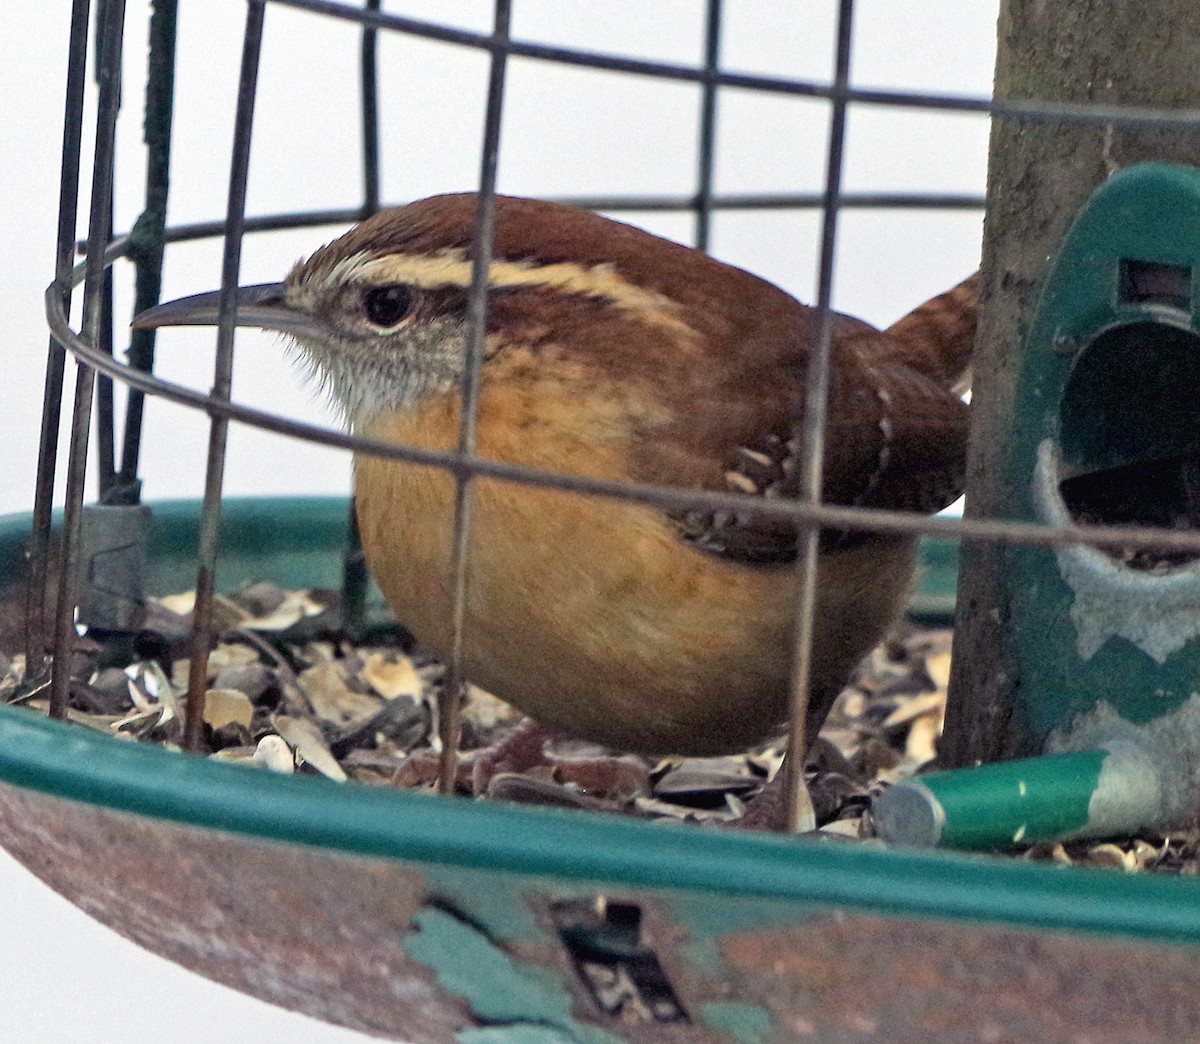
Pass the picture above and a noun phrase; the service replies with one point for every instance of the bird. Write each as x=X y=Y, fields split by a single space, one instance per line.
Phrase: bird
x=615 y=354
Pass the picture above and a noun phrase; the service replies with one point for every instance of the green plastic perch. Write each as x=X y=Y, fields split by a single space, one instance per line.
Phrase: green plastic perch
x=1095 y=793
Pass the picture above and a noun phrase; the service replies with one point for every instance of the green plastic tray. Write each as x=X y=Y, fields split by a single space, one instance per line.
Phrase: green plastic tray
x=430 y=919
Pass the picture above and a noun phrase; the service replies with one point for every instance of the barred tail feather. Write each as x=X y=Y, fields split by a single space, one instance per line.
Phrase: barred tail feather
x=937 y=338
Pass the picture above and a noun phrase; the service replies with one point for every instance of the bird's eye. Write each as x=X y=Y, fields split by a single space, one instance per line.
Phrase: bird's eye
x=388 y=305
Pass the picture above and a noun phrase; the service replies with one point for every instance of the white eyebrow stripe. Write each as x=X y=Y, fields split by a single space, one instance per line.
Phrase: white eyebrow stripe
x=453 y=268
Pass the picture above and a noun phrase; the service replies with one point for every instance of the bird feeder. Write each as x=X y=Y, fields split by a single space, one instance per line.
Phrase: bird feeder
x=1106 y=431
x=426 y=919
x=419 y=918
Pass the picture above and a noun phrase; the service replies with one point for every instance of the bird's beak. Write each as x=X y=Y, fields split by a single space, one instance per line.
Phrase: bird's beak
x=261 y=306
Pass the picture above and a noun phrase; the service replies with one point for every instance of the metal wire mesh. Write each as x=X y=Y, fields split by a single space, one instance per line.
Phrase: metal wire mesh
x=91 y=344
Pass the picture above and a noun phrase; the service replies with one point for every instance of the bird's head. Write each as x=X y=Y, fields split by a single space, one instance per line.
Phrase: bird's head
x=381 y=313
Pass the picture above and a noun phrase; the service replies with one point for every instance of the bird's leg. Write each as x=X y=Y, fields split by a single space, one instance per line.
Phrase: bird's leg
x=767 y=810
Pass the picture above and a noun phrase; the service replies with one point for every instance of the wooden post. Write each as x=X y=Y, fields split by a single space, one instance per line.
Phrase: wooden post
x=1040 y=174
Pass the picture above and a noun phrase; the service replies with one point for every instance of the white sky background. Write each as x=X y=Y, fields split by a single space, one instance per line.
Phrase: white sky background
x=566 y=131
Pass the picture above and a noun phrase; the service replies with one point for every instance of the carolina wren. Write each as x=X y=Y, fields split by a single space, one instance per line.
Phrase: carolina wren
x=613 y=353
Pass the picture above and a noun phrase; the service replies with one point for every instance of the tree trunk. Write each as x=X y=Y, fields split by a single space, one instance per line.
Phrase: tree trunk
x=1040 y=174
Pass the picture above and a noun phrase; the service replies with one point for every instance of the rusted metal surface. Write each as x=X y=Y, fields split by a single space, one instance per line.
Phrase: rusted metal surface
x=428 y=953
x=309 y=930
x=840 y=978
x=319 y=932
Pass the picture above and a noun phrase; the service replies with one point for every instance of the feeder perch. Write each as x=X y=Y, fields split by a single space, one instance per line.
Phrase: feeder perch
x=1106 y=431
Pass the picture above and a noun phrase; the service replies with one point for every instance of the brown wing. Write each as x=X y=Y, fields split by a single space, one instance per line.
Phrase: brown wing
x=896 y=433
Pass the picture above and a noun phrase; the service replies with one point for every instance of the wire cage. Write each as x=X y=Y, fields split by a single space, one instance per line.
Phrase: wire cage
x=431 y=856
x=116 y=484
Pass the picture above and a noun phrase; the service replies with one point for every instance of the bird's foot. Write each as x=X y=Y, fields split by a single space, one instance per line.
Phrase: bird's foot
x=831 y=790
x=766 y=810
x=522 y=749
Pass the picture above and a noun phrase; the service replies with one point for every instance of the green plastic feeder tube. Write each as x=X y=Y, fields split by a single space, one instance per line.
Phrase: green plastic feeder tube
x=1106 y=792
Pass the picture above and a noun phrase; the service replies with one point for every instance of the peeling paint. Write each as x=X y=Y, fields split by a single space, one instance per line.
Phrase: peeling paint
x=522 y=1034
x=522 y=1003
x=1128 y=790
x=494 y=900
x=745 y=1023
x=1168 y=747
x=709 y=918
x=1157 y=612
